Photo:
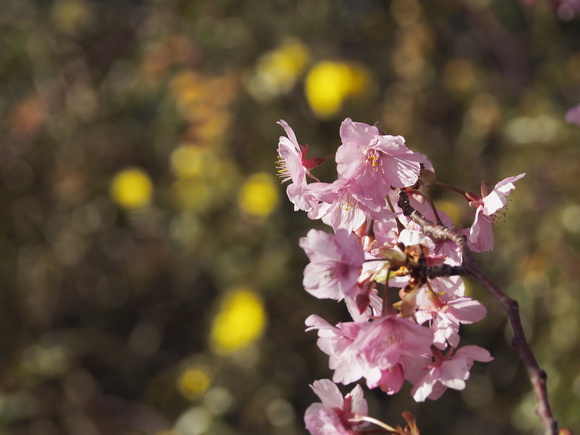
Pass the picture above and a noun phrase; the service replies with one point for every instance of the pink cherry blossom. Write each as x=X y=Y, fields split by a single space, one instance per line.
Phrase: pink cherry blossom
x=302 y=198
x=446 y=317
x=449 y=371
x=335 y=415
x=573 y=115
x=335 y=272
x=341 y=209
x=390 y=341
x=480 y=234
x=383 y=351
x=292 y=162
x=375 y=162
x=335 y=263
x=448 y=287
x=290 y=157
x=391 y=380
x=294 y=166
x=336 y=342
x=375 y=247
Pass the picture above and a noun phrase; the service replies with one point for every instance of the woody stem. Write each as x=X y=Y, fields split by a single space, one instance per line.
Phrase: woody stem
x=471 y=268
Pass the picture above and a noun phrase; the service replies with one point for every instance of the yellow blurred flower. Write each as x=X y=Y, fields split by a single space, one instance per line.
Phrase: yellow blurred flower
x=239 y=322
x=131 y=188
x=329 y=83
x=188 y=161
x=278 y=70
x=194 y=381
x=259 y=194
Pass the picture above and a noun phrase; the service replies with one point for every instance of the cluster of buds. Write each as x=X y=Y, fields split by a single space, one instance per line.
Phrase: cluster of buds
x=397 y=263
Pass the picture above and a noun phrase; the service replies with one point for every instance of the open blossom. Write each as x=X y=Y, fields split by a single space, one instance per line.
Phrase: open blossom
x=391 y=343
x=294 y=166
x=480 y=234
x=449 y=371
x=290 y=157
x=340 y=209
x=384 y=351
x=375 y=162
x=377 y=246
x=446 y=317
x=335 y=263
x=335 y=415
x=292 y=162
x=336 y=343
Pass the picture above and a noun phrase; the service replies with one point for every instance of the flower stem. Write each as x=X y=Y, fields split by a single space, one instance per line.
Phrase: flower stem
x=379 y=423
x=450 y=187
x=471 y=268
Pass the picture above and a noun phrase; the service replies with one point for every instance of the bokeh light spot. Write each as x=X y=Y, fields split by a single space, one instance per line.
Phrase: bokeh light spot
x=47 y=360
x=131 y=188
x=187 y=161
x=570 y=218
x=218 y=400
x=194 y=381
x=239 y=322
x=329 y=83
x=259 y=194
x=280 y=412
x=277 y=71
x=194 y=421
x=524 y=130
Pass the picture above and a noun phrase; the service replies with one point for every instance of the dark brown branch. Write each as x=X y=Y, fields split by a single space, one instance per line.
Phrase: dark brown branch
x=519 y=342
x=432 y=272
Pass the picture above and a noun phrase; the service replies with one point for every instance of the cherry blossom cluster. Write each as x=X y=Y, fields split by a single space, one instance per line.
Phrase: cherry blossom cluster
x=401 y=284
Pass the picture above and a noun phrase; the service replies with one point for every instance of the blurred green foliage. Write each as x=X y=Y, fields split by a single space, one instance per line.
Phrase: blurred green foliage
x=141 y=214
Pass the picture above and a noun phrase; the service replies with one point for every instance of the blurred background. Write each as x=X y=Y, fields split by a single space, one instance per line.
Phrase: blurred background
x=149 y=262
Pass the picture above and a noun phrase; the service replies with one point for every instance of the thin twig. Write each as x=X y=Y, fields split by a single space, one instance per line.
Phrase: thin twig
x=471 y=268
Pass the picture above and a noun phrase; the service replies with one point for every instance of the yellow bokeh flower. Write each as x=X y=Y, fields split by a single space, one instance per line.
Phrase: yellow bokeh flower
x=239 y=322
x=194 y=381
x=329 y=83
x=131 y=188
x=259 y=194
x=192 y=192
x=188 y=161
x=278 y=70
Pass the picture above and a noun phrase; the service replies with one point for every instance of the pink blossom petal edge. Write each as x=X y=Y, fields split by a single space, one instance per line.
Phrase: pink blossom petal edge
x=573 y=115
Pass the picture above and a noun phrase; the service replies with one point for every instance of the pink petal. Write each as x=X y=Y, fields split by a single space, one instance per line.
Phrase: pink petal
x=466 y=310
x=476 y=353
x=497 y=198
x=423 y=389
x=289 y=132
x=358 y=132
x=328 y=392
x=359 y=404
